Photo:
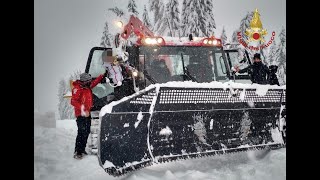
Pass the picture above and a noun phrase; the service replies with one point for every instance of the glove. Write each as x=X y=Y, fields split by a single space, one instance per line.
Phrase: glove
x=119 y=83
x=235 y=69
x=87 y=114
x=107 y=80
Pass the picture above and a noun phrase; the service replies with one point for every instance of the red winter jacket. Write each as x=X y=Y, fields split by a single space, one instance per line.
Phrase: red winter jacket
x=82 y=96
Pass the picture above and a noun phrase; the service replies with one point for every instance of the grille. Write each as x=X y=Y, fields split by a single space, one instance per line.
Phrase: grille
x=171 y=96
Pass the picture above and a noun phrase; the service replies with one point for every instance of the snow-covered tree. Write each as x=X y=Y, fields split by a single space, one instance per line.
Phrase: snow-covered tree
x=65 y=108
x=154 y=7
x=161 y=27
x=106 y=37
x=191 y=18
x=210 y=22
x=62 y=101
x=245 y=24
x=224 y=38
x=145 y=18
x=75 y=76
x=282 y=37
x=272 y=55
x=173 y=15
x=132 y=7
x=184 y=17
x=195 y=17
x=281 y=59
x=117 y=11
x=234 y=40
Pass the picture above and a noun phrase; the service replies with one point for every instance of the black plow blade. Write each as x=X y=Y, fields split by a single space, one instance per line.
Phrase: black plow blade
x=165 y=124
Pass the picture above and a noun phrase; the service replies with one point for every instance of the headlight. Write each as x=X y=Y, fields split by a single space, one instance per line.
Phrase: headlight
x=205 y=41
x=153 y=41
x=148 y=40
x=119 y=24
x=214 y=42
x=135 y=73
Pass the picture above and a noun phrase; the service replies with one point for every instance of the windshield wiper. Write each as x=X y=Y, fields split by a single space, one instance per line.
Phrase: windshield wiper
x=147 y=75
x=186 y=71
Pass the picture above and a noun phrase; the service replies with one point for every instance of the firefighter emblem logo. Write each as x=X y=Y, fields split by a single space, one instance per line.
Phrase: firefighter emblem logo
x=256 y=32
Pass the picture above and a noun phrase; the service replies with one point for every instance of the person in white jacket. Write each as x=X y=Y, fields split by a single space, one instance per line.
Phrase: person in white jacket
x=113 y=62
x=112 y=67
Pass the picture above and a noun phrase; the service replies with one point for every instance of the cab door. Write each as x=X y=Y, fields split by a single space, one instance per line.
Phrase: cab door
x=95 y=67
x=240 y=59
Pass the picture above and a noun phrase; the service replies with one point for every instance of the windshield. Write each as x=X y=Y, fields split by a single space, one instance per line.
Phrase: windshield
x=205 y=64
x=237 y=58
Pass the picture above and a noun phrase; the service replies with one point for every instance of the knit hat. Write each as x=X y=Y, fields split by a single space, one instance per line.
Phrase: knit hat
x=256 y=55
x=85 y=77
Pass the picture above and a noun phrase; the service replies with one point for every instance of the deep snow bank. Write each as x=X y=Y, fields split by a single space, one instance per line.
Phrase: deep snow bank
x=53 y=151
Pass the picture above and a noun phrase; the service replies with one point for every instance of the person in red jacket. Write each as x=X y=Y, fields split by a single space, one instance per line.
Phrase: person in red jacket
x=82 y=101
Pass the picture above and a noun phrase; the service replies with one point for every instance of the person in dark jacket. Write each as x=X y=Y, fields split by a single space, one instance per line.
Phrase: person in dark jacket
x=258 y=71
x=82 y=101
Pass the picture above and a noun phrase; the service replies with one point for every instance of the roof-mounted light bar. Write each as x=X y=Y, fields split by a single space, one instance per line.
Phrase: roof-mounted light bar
x=151 y=41
x=211 y=42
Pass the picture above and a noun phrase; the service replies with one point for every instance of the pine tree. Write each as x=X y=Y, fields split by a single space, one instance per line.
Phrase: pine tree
x=76 y=75
x=234 y=40
x=173 y=16
x=69 y=109
x=195 y=17
x=273 y=53
x=117 y=11
x=191 y=18
x=65 y=108
x=161 y=27
x=281 y=59
x=282 y=37
x=132 y=7
x=224 y=38
x=106 y=38
x=245 y=24
x=154 y=7
x=145 y=18
x=210 y=22
x=62 y=104
x=184 y=17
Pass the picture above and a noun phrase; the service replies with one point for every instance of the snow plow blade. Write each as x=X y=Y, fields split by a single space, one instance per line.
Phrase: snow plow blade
x=164 y=123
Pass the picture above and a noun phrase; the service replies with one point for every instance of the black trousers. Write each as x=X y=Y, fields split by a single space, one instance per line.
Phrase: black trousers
x=83 y=124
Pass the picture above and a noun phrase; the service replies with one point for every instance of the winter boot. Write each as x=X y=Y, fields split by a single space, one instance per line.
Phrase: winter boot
x=78 y=155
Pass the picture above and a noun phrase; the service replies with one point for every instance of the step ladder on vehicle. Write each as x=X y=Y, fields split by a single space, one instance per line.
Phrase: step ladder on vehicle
x=93 y=136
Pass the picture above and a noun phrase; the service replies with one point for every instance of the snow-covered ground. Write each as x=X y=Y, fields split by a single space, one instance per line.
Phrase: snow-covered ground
x=54 y=146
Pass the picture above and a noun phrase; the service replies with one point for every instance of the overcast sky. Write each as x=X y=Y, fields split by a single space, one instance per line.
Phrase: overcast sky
x=66 y=30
